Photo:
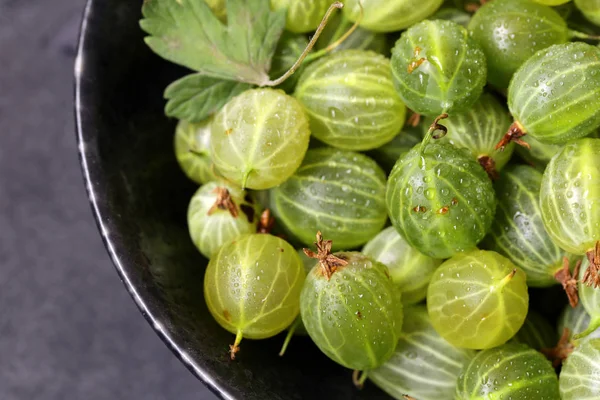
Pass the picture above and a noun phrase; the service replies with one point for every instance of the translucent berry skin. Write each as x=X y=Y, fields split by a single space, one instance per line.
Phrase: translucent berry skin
x=536 y=332
x=259 y=138
x=438 y=68
x=360 y=39
x=580 y=374
x=411 y=271
x=192 y=150
x=302 y=16
x=340 y=193
x=511 y=31
x=518 y=230
x=576 y=320
x=210 y=230
x=474 y=303
x=442 y=202
x=252 y=286
x=288 y=50
x=512 y=371
x=390 y=15
x=555 y=95
x=350 y=99
x=424 y=364
x=387 y=155
x=355 y=318
x=479 y=130
x=570 y=196
x=590 y=9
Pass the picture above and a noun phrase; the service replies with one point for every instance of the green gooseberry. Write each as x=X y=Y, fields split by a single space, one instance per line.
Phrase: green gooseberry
x=350 y=99
x=389 y=15
x=440 y=199
x=570 y=201
x=554 y=96
x=302 y=16
x=477 y=300
x=259 y=138
x=351 y=309
x=424 y=364
x=453 y=14
x=217 y=214
x=360 y=39
x=410 y=270
x=580 y=374
x=536 y=332
x=478 y=130
x=252 y=287
x=289 y=49
x=387 y=155
x=192 y=150
x=590 y=9
x=576 y=320
x=512 y=371
x=438 y=68
x=518 y=230
x=340 y=193
x=511 y=31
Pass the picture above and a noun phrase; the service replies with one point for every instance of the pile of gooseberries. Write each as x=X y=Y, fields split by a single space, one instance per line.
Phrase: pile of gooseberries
x=411 y=194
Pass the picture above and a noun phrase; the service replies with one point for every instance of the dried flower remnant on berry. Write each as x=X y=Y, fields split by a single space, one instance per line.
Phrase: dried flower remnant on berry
x=561 y=351
x=569 y=281
x=327 y=261
x=224 y=202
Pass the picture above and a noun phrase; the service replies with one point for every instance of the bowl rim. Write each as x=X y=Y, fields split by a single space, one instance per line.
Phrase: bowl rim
x=94 y=195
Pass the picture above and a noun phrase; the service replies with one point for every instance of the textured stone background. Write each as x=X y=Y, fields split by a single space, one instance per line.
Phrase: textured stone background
x=68 y=329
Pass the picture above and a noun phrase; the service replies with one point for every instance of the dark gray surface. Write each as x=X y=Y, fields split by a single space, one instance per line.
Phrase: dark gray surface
x=68 y=329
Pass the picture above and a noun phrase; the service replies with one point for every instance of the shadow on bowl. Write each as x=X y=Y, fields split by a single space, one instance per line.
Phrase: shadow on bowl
x=139 y=198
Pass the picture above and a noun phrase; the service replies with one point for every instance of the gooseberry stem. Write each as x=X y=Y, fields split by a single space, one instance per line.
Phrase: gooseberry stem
x=582 y=35
x=337 y=42
x=289 y=336
x=435 y=126
x=594 y=324
x=245 y=177
x=359 y=378
x=507 y=279
x=235 y=347
x=311 y=44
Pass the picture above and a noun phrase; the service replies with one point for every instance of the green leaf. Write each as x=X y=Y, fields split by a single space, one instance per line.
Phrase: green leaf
x=186 y=32
x=194 y=97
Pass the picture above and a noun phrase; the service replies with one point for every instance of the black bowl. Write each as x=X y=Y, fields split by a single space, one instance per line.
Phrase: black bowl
x=139 y=198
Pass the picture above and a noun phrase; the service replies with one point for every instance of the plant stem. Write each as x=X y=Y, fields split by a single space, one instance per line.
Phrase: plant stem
x=435 y=126
x=289 y=336
x=235 y=347
x=305 y=57
x=582 y=35
x=311 y=44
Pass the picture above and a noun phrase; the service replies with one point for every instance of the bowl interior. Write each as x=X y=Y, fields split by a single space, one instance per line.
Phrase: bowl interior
x=140 y=199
